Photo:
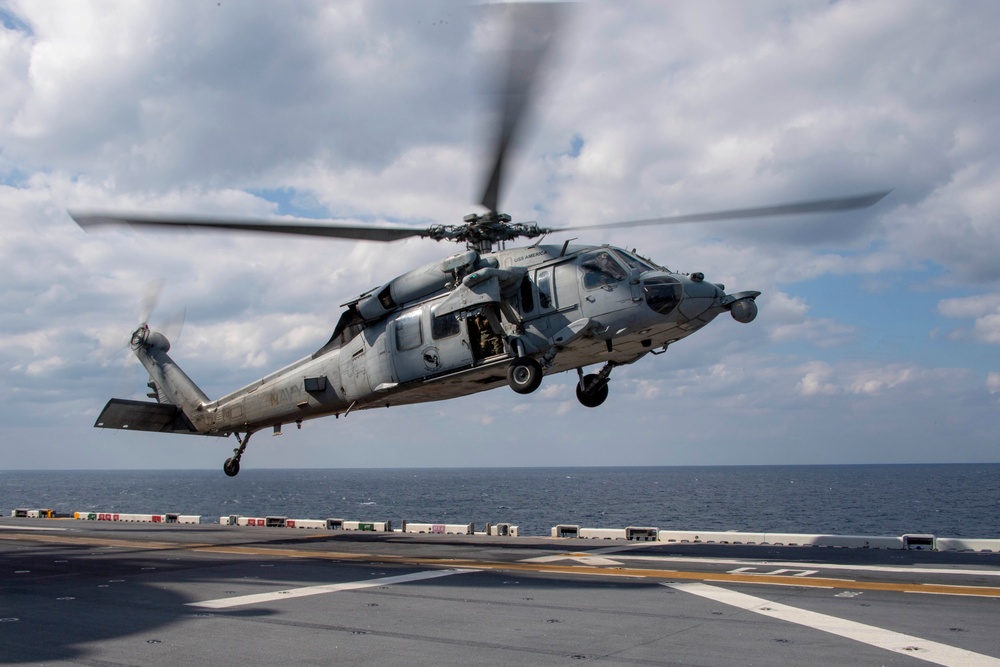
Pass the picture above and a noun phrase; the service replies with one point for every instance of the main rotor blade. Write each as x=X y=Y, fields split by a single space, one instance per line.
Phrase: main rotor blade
x=812 y=206
x=300 y=227
x=533 y=28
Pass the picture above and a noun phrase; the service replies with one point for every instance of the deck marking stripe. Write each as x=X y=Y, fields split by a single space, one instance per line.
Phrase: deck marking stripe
x=824 y=566
x=915 y=647
x=257 y=598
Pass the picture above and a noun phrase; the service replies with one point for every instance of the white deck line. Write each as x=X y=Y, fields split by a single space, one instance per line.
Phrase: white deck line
x=257 y=598
x=908 y=645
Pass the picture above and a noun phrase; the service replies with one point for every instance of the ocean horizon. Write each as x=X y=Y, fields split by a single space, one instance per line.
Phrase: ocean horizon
x=944 y=499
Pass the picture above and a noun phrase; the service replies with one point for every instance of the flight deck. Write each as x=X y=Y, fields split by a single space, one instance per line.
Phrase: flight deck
x=117 y=593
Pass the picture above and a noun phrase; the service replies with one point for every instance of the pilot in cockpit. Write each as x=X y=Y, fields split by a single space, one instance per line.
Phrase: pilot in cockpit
x=601 y=270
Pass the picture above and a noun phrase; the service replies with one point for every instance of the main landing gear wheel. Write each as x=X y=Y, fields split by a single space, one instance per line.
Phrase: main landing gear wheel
x=231 y=467
x=596 y=391
x=524 y=375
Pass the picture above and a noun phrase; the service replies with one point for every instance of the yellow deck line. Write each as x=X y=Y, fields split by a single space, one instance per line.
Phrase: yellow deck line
x=572 y=569
x=96 y=541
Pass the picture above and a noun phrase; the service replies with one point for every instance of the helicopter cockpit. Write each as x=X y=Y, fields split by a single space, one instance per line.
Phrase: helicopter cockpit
x=604 y=268
x=601 y=270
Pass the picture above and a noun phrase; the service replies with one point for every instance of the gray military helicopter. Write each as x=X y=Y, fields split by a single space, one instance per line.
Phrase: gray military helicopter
x=485 y=317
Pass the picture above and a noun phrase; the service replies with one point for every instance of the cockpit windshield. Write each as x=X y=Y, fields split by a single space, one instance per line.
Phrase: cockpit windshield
x=634 y=262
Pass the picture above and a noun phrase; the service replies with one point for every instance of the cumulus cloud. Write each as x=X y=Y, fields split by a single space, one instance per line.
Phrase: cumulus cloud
x=816 y=380
x=984 y=310
x=374 y=112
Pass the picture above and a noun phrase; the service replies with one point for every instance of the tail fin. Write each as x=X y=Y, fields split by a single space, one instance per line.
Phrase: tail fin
x=179 y=400
x=170 y=384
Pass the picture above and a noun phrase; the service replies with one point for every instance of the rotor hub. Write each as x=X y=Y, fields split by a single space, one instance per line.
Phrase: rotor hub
x=139 y=337
x=482 y=231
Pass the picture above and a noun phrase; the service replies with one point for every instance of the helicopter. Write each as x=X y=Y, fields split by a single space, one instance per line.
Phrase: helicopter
x=485 y=317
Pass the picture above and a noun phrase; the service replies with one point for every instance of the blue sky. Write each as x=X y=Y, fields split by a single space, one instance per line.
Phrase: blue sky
x=289 y=201
x=895 y=317
x=878 y=333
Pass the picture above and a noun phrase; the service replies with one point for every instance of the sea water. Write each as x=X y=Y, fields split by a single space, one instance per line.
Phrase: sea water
x=953 y=500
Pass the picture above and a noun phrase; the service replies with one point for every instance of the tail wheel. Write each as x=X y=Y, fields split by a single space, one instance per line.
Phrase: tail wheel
x=524 y=375
x=596 y=392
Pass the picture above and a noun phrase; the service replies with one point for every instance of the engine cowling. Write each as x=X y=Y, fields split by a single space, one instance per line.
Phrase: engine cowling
x=416 y=284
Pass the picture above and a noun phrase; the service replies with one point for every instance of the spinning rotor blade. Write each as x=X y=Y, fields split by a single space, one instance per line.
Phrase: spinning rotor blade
x=150 y=297
x=173 y=327
x=148 y=301
x=812 y=206
x=303 y=227
x=533 y=28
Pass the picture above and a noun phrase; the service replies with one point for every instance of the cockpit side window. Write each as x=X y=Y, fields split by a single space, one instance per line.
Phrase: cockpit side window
x=600 y=269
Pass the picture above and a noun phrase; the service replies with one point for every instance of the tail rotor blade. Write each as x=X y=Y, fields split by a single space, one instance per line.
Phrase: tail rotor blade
x=173 y=327
x=151 y=292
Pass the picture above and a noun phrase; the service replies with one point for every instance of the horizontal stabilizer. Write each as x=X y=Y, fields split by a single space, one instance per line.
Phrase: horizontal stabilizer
x=144 y=416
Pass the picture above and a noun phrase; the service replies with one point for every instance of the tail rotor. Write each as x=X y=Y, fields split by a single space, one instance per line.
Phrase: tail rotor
x=143 y=336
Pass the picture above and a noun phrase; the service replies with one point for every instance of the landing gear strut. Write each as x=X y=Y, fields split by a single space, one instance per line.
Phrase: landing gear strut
x=232 y=465
x=592 y=389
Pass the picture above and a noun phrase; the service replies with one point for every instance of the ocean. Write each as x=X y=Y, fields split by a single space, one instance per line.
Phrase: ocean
x=947 y=500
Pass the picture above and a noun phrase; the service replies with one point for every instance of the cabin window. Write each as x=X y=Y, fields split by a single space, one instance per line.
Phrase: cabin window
x=600 y=269
x=544 y=281
x=408 y=330
x=444 y=326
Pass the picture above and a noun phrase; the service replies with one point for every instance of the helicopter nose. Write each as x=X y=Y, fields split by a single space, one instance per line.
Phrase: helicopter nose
x=699 y=296
x=662 y=293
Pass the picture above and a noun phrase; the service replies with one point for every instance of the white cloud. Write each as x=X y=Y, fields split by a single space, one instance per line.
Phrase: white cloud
x=969 y=307
x=648 y=390
x=552 y=391
x=370 y=112
x=984 y=309
x=816 y=380
x=987 y=328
